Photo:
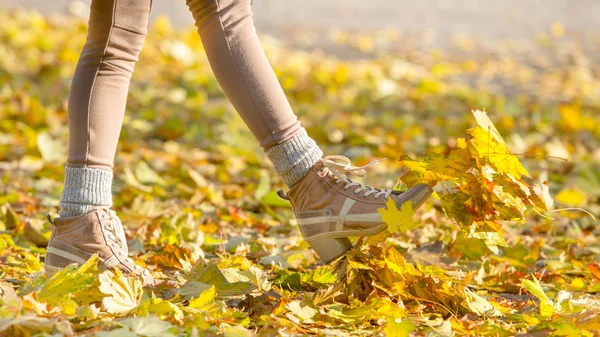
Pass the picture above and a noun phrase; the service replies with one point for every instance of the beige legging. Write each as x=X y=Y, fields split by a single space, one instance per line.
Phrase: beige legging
x=116 y=33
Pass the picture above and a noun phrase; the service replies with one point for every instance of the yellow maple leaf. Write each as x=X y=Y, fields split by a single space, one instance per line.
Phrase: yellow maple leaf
x=123 y=292
x=398 y=220
x=490 y=146
x=495 y=153
x=486 y=123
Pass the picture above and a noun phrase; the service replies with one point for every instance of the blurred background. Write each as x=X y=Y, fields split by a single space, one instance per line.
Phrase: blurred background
x=368 y=79
x=432 y=24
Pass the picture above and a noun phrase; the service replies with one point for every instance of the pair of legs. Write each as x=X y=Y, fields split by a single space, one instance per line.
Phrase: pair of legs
x=328 y=206
x=117 y=30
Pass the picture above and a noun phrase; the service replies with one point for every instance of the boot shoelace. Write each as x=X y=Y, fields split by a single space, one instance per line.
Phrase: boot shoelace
x=339 y=166
x=116 y=237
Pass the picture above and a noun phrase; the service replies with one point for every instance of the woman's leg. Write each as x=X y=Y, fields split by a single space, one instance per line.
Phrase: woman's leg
x=116 y=32
x=86 y=225
x=329 y=208
x=243 y=71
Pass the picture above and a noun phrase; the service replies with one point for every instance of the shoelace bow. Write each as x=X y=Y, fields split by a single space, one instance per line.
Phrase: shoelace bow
x=339 y=166
x=116 y=236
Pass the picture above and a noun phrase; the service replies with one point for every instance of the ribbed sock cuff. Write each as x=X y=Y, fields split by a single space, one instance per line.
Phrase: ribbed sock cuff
x=85 y=189
x=295 y=157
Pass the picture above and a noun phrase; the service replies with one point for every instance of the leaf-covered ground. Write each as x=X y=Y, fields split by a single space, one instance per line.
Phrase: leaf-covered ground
x=198 y=200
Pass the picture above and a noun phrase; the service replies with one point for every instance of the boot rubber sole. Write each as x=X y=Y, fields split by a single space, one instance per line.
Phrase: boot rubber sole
x=50 y=270
x=330 y=246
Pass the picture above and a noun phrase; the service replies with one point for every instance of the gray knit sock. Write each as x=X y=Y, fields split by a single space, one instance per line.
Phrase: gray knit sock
x=85 y=189
x=295 y=157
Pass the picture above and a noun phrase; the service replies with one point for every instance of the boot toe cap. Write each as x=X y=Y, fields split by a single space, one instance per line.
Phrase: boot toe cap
x=418 y=195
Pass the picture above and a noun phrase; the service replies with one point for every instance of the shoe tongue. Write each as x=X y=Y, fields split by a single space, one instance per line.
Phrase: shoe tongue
x=329 y=174
x=320 y=169
x=318 y=166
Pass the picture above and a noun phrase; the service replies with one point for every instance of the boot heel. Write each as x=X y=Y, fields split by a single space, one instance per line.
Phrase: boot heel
x=330 y=249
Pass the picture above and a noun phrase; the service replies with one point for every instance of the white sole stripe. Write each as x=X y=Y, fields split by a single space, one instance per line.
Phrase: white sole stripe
x=52 y=269
x=65 y=255
x=348 y=203
x=368 y=217
x=313 y=220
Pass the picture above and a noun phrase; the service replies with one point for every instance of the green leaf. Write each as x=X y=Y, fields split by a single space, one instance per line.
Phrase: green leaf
x=205 y=298
x=211 y=275
x=159 y=307
x=263 y=187
x=471 y=248
x=30 y=325
x=492 y=240
x=235 y=331
x=120 y=332
x=147 y=326
x=273 y=200
x=289 y=281
x=192 y=289
x=480 y=305
x=534 y=287
x=206 y=301
x=60 y=289
x=147 y=176
x=321 y=276
x=398 y=328
x=303 y=311
x=51 y=149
